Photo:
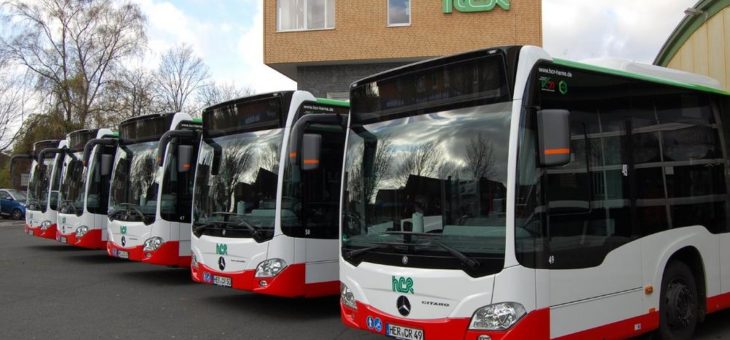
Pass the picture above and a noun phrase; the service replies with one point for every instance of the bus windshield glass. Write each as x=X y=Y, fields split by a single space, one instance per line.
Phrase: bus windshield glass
x=39 y=186
x=430 y=183
x=242 y=193
x=72 y=186
x=238 y=167
x=135 y=183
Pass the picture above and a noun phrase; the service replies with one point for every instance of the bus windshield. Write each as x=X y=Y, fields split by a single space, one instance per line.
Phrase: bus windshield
x=240 y=199
x=426 y=166
x=427 y=183
x=39 y=185
x=72 y=186
x=135 y=183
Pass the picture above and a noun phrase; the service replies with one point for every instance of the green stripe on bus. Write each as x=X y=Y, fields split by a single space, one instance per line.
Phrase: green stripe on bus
x=639 y=76
x=334 y=102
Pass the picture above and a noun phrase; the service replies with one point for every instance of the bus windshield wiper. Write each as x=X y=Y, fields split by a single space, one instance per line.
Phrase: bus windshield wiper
x=357 y=252
x=455 y=253
x=472 y=263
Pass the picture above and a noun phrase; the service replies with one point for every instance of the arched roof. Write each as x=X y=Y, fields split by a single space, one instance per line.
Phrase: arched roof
x=706 y=10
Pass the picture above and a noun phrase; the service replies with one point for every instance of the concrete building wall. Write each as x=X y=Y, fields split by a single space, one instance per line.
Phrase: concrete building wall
x=323 y=81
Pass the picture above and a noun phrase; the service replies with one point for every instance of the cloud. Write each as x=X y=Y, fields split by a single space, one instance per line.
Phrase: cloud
x=634 y=30
x=227 y=35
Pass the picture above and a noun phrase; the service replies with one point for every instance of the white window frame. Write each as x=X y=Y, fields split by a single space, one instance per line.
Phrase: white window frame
x=410 y=13
x=306 y=23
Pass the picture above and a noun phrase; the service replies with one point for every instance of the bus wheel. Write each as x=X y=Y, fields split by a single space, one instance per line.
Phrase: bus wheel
x=678 y=307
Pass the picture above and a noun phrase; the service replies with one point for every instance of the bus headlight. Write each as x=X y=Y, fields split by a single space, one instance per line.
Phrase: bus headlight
x=81 y=231
x=45 y=224
x=270 y=268
x=193 y=261
x=497 y=317
x=347 y=298
x=152 y=243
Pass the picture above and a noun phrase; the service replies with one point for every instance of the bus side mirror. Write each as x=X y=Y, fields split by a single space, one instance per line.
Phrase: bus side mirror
x=217 y=156
x=553 y=137
x=184 y=155
x=106 y=164
x=311 y=147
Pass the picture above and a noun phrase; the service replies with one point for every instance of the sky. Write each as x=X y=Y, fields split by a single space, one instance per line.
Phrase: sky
x=228 y=34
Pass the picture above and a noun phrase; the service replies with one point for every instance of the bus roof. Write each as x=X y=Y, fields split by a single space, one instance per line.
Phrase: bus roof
x=335 y=102
x=650 y=73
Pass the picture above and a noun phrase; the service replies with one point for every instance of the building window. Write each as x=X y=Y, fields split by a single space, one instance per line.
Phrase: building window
x=298 y=15
x=399 y=12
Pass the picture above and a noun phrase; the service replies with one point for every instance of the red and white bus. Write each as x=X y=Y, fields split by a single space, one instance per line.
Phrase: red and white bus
x=503 y=194
x=267 y=195
x=45 y=179
x=85 y=188
x=151 y=192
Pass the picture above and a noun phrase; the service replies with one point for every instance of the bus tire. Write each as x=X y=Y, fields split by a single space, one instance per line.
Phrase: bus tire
x=679 y=303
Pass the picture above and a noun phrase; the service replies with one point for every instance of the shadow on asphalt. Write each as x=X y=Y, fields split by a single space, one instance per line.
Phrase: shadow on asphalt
x=58 y=247
x=101 y=258
x=161 y=276
x=293 y=309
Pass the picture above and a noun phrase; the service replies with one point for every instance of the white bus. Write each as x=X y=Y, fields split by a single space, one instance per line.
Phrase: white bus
x=267 y=195
x=85 y=188
x=503 y=194
x=45 y=179
x=149 y=204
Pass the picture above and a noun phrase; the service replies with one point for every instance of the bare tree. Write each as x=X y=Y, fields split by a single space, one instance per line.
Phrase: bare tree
x=129 y=94
x=216 y=93
x=179 y=75
x=421 y=160
x=14 y=98
x=480 y=157
x=71 y=45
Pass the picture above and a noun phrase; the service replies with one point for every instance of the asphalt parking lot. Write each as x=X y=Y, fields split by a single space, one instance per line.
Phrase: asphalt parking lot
x=50 y=290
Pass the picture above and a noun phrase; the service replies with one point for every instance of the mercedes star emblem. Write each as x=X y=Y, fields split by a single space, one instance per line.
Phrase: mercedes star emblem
x=221 y=263
x=404 y=306
x=124 y=241
x=404 y=260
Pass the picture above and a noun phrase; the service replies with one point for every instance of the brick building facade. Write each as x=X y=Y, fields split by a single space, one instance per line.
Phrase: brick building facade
x=325 y=45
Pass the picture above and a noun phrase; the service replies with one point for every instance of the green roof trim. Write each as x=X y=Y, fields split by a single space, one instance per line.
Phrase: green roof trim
x=688 y=26
x=639 y=76
x=115 y=133
x=335 y=102
x=198 y=120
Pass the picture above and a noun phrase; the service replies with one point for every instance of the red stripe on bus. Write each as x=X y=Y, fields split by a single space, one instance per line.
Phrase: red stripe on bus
x=718 y=302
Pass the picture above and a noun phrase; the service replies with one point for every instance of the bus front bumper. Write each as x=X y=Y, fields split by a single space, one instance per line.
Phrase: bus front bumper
x=166 y=255
x=90 y=240
x=49 y=233
x=534 y=325
x=288 y=283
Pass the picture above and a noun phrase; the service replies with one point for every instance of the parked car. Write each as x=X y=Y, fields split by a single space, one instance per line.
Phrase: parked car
x=12 y=203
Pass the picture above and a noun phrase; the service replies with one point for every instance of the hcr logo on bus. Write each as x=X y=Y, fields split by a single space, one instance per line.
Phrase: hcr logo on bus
x=403 y=285
x=470 y=6
x=221 y=249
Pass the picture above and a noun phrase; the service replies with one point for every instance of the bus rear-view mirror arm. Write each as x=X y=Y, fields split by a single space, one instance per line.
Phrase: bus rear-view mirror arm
x=304 y=148
x=167 y=137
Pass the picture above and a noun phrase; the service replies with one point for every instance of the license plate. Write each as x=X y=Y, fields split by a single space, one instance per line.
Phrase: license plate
x=221 y=281
x=63 y=239
x=401 y=332
x=122 y=254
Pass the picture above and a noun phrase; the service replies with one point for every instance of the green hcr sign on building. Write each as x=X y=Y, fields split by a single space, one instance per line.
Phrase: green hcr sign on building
x=471 y=6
